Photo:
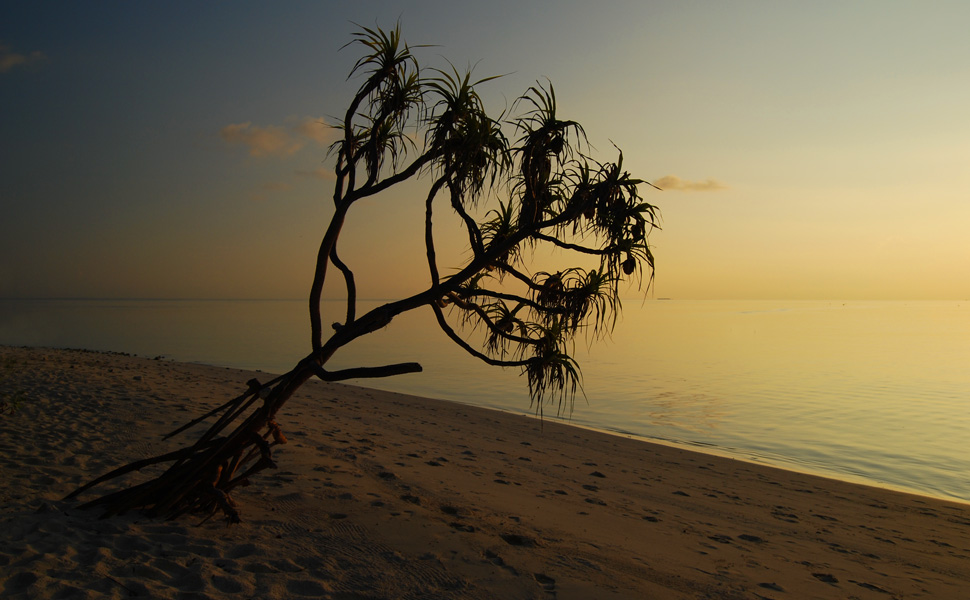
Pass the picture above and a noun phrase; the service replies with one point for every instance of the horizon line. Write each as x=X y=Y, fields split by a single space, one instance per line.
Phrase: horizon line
x=380 y=299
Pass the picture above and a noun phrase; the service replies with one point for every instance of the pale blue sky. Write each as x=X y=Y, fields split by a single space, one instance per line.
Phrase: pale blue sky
x=835 y=134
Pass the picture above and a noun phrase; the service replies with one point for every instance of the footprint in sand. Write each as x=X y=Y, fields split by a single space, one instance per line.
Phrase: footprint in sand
x=515 y=539
x=783 y=516
x=870 y=587
x=497 y=560
x=547 y=583
x=226 y=585
x=306 y=587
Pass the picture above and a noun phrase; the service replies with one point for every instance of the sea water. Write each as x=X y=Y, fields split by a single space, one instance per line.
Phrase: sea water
x=873 y=392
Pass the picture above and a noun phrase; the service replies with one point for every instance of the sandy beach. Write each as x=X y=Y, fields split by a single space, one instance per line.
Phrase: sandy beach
x=384 y=496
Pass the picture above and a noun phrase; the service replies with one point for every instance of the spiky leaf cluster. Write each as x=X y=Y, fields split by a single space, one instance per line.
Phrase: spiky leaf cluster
x=561 y=197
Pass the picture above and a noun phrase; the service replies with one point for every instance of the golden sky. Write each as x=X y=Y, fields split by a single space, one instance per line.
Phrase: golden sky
x=806 y=150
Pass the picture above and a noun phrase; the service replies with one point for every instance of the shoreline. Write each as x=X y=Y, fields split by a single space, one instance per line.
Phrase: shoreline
x=384 y=495
x=777 y=461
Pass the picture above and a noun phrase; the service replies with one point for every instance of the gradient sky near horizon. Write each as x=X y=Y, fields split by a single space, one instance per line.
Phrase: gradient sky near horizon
x=808 y=150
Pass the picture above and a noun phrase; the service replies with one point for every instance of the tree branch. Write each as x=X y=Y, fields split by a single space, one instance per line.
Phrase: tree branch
x=333 y=232
x=467 y=348
x=380 y=186
x=351 y=285
x=320 y=272
x=568 y=246
x=474 y=233
x=507 y=268
x=475 y=308
x=366 y=372
x=472 y=292
x=428 y=230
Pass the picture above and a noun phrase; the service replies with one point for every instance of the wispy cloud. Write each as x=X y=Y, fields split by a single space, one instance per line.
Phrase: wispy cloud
x=674 y=183
x=261 y=141
x=10 y=59
x=274 y=140
x=316 y=129
x=323 y=173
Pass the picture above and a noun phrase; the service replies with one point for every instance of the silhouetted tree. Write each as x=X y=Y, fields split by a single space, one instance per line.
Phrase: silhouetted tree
x=544 y=190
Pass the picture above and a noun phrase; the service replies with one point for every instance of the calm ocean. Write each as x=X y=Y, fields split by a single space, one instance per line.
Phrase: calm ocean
x=873 y=392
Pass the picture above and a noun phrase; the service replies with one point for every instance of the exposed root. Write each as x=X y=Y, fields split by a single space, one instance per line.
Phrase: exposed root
x=201 y=475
